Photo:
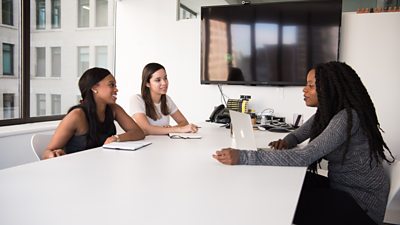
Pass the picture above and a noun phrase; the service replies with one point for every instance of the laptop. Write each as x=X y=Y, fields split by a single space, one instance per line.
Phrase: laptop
x=127 y=145
x=242 y=131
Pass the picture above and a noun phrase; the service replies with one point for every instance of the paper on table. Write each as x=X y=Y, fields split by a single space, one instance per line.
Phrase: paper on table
x=184 y=135
x=127 y=145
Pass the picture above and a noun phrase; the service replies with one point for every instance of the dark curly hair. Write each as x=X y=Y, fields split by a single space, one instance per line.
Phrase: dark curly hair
x=339 y=87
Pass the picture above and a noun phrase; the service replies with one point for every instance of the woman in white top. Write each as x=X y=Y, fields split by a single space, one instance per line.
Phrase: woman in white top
x=151 y=109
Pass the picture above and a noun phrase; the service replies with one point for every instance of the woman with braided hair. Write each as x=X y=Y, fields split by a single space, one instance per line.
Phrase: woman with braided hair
x=345 y=131
x=90 y=124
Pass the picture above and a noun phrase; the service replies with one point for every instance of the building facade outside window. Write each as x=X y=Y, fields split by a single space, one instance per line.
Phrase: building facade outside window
x=7 y=14
x=40 y=14
x=55 y=104
x=83 y=60
x=101 y=13
x=55 y=14
x=8 y=59
x=8 y=105
x=83 y=13
x=40 y=61
x=59 y=53
x=101 y=56
x=55 y=61
x=40 y=104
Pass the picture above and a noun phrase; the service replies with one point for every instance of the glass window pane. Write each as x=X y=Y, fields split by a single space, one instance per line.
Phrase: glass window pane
x=83 y=60
x=40 y=104
x=40 y=62
x=8 y=59
x=40 y=14
x=10 y=76
x=101 y=56
x=55 y=14
x=101 y=13
x=83 y=13
x=8 y=106
x=7 y=12
x=55 y=104
x=55 y=61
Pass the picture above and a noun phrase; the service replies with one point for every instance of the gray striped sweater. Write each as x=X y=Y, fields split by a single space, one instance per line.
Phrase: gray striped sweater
x=365 y=182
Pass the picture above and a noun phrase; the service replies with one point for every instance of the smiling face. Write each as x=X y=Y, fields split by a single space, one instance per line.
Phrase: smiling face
x=106 y=90
x=310 y=90
x=158 y=83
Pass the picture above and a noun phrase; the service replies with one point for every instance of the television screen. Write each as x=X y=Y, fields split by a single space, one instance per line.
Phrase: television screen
x=267 y=44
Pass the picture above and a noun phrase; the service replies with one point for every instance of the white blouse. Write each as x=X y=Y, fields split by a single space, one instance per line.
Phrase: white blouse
x=137 y=105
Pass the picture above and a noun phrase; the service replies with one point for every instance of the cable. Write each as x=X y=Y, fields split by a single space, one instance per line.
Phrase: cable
x=222 y=94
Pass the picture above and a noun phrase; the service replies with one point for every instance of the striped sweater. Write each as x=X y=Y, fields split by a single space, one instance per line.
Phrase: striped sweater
x=365 y=182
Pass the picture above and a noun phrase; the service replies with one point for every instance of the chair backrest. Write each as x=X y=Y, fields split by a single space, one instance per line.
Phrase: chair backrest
x=393 y=171
x=39 y=143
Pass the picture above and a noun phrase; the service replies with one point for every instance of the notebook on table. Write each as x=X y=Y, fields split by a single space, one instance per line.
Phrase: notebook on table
x=242 y=131
x=127 y=145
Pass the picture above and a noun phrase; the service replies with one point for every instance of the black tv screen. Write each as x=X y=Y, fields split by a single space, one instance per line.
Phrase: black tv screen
x=268 y=44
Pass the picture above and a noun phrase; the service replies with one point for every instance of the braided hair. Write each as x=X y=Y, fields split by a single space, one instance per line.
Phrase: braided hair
x=339 y=87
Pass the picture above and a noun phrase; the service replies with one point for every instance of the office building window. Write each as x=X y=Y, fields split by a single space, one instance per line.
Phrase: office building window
x=40 y=104
x=40 y=61
x=8 y=59
x=40 y=14
x=7 y=12
x=101 y=13
x=101 y=56
x=83 y=60
x=83 y=13
x=55 y=14
x=8 y=106
x=55 y=61
x=55 y=104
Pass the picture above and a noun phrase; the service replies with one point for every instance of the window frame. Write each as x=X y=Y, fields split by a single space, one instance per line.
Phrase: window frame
x=25 y=53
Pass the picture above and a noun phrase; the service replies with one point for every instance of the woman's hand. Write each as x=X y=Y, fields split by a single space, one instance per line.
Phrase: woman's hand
x=279 y=144
x=227 y=156
x=53 y=153
x=110 y=139
x=190 y=128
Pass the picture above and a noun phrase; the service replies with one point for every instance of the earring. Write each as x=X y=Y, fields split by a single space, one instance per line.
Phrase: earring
x=95 y=91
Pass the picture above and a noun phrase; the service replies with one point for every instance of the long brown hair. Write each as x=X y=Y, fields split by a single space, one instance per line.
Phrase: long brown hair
x=147 y=73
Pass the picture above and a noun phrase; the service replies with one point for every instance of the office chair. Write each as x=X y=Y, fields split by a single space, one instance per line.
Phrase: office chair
x=393 y=205
x=39 y=143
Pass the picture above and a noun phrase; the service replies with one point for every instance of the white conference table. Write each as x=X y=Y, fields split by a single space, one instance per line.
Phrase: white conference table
x=171 y=181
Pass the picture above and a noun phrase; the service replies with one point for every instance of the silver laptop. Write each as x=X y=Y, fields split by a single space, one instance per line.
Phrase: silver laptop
x=242 y=131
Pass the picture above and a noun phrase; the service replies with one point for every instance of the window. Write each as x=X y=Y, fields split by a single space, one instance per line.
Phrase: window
x=40 y=14
x=8 y=59
x=55 y=104
x=83 y=13
x=83 y=60
x=55 y=61
x=40 y=104
x=101 y=13
x=40 y=62
x=101 y=56
x=55 y=14
x=7 y=12
x=8 y=106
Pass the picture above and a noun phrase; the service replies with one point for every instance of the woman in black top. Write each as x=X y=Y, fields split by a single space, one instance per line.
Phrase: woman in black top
x=91 y=123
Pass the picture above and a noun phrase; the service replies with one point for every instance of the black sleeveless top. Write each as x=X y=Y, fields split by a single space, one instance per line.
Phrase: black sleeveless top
x=104 y=129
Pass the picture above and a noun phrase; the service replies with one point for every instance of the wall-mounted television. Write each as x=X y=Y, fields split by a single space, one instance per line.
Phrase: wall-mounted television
x=268 y=44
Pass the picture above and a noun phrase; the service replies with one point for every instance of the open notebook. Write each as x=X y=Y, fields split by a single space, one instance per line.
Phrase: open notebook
x=242 y=132
x=184 y=135
x=127 y=145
